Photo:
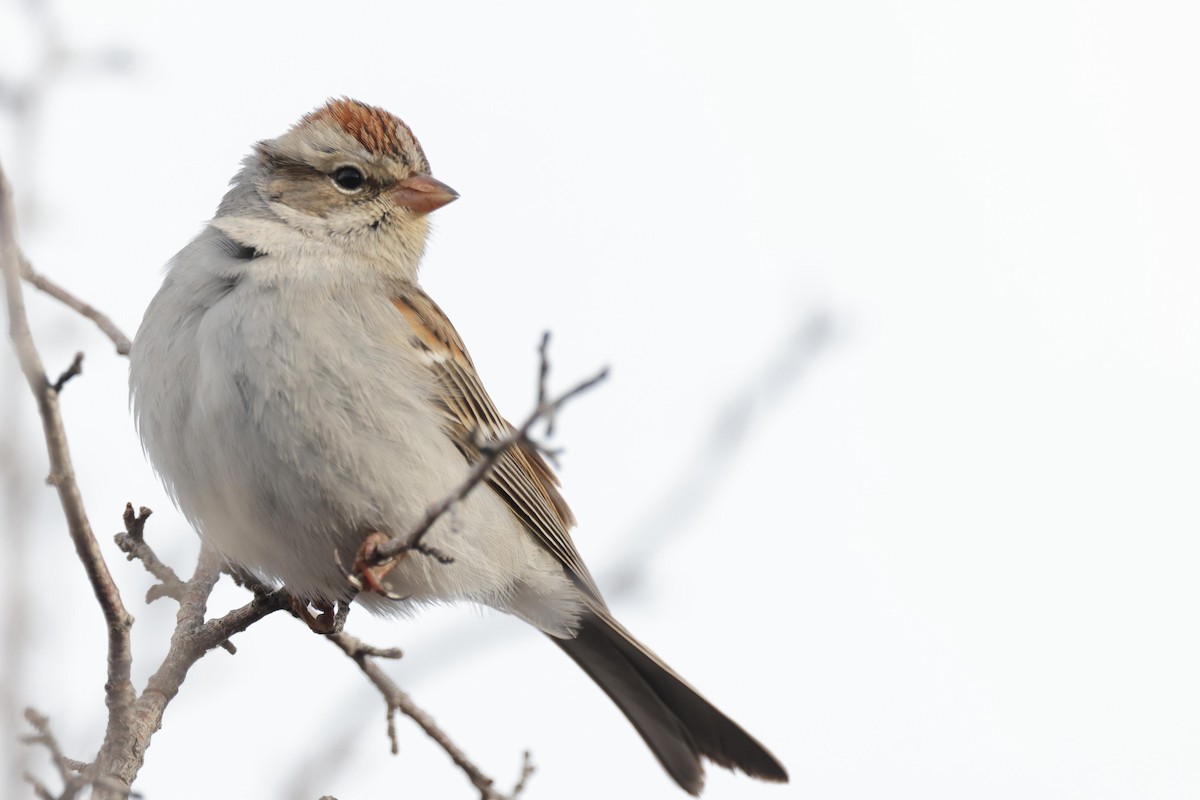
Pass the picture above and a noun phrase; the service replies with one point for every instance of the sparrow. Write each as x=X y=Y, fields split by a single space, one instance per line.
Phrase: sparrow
x=300 y=395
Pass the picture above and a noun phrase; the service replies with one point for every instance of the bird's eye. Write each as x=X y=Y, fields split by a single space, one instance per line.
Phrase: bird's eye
x=348 y=178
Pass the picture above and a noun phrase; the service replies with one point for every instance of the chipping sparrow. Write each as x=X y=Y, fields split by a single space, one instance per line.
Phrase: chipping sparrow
x=297 y=392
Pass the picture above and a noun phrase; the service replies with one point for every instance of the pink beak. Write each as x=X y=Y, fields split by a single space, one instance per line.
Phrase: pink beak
x=422 y=194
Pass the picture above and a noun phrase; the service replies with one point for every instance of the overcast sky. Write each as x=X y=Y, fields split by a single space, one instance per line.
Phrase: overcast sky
x=949 y=551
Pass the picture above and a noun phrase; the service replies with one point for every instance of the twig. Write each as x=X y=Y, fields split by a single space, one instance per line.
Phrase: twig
x=119 y=692
x=68 y=768
x=73 y=773
x=490 y=454
x=548 y=409
x=191 y=640
x=134 y=545
x=103 y=322
x=398 y=700
x=76 y=368
x=39 y=788
x=527 y=770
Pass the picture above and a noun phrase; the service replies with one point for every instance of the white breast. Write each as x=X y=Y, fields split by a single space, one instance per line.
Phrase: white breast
x=288 y=421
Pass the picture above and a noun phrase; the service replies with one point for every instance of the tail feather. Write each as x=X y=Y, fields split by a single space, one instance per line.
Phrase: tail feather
x=677 y=723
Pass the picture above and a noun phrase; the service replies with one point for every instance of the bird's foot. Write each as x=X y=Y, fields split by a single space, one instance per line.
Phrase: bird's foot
x=366 y=573
x=328 y=618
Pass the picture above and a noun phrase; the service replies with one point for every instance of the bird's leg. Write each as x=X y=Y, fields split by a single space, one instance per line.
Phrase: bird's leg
x=372 y=574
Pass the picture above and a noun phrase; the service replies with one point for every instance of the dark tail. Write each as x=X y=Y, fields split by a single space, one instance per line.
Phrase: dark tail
x=679 y=725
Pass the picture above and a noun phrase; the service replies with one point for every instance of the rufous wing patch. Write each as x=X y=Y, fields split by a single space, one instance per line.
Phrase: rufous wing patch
x=423 y=316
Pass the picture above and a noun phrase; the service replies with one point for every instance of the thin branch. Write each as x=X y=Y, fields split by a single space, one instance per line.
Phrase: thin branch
x=490 y=454
x=119 y=692
x=527 y=770
x=74 y=774
x=398 y=700
x=68 y=768
x=103 y=322
x=76 y=368
x=216 y=631
x=39 y=788
x=134 y=546
x=133 y=543
x=742 y=415
x=192 y=639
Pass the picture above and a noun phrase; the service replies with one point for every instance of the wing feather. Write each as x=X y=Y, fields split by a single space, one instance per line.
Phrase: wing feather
x=521 y=477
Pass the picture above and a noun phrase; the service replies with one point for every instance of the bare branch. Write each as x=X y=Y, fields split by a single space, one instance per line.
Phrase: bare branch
x=365 y=650
x=191 y=640
x=398 y=700
x=134 y=546
x=103 y=322
x=74 y=774
x=76 y=368
x=527 y=770
x=39 y=788
x=490 y=454
x=68 y=768
x=119 y=692
x=216 y=631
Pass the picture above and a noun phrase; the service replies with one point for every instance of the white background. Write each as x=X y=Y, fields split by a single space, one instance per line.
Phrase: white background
x=951 y=555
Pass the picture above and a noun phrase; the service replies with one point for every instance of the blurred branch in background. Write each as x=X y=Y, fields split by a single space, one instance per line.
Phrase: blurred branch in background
x=103 y=322
x=23 y=96
x=16 y=515
x=118 y=688
x=36 y=58
x=730 y=432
